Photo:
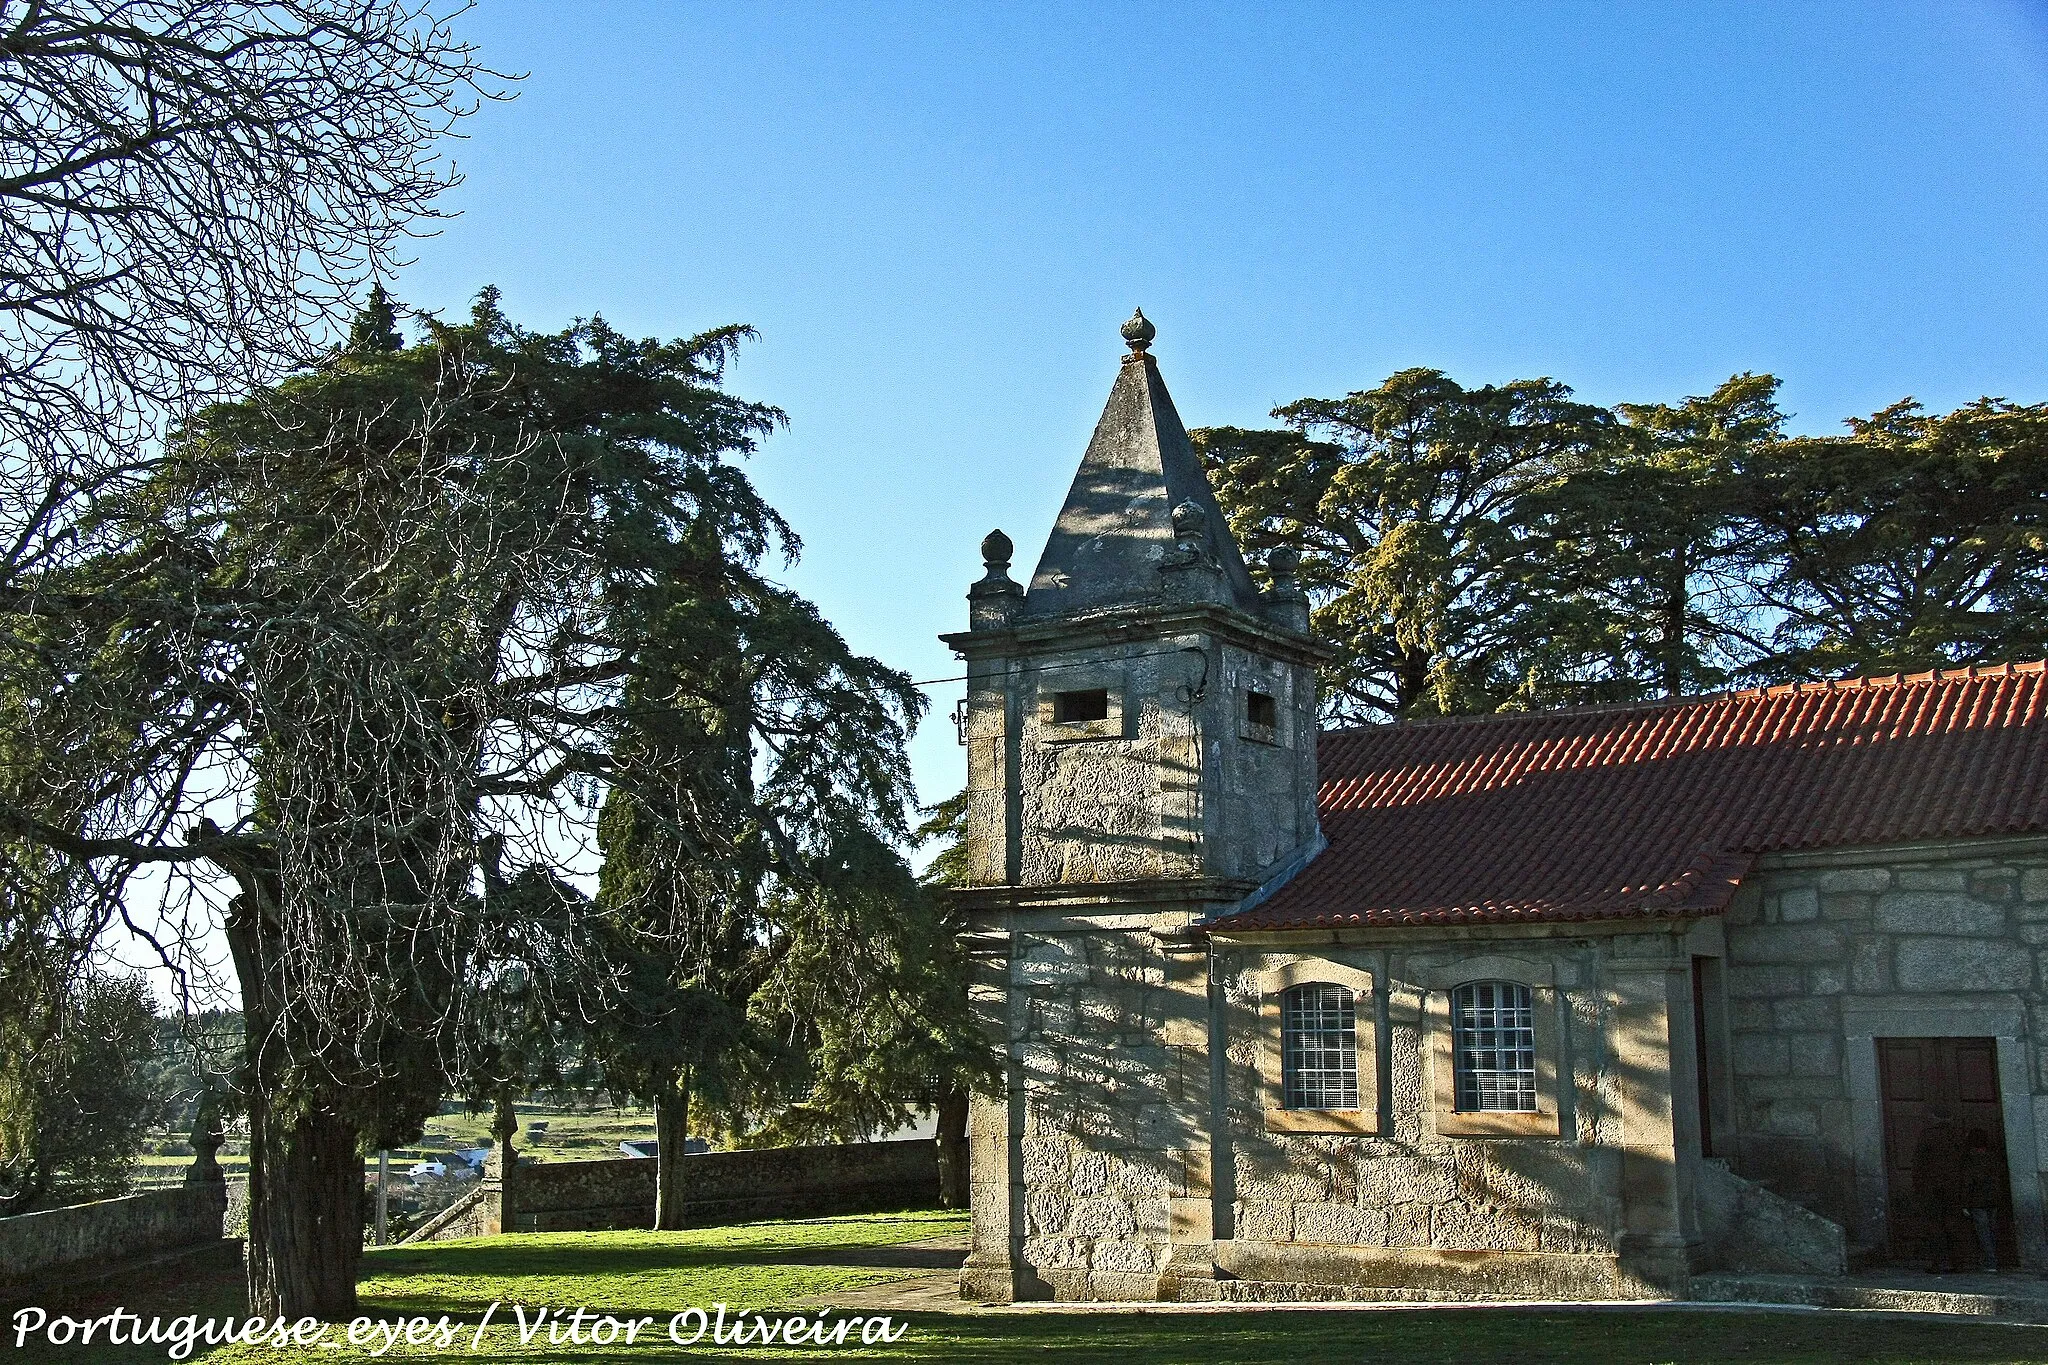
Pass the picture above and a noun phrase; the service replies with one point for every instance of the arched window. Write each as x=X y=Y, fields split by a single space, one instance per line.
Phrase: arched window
x=1493 y=1047
x=1319 y=1047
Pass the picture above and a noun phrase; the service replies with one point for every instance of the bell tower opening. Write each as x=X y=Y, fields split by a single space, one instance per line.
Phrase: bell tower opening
x=1086 y=704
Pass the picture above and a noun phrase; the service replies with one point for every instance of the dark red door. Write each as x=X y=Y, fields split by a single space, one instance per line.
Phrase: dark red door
x=1915 y=1075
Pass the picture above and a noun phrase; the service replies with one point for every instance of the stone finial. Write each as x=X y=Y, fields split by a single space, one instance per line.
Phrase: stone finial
x=1285 y=603
x=996 y=550
x=1138 y=332
x=1283 y=565
x=206 y=1141
x=1193 y=572
x=1190 y=530
x=993 y=601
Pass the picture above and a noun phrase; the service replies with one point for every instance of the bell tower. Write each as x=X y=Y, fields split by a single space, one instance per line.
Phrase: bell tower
x=1141 y=734
x=1142 y=716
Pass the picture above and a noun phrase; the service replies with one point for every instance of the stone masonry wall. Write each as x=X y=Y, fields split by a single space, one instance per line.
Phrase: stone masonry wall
x=1814 y=944
x=1264 y=807
x=1173 y=785
x=1115 y=1107
x=1407 y=1188
x=727 y=1187
x=34 y=1246
x=1110 y=1029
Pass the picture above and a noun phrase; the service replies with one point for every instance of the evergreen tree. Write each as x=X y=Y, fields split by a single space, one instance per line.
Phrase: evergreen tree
x=377 y=644
x=1651 y=538
x=1410 y=504
x=1915 y=541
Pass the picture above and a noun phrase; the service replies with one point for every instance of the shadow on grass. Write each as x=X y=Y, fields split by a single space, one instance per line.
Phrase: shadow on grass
x=639 y=1272
x=501 y=1261
x=1427 y=1337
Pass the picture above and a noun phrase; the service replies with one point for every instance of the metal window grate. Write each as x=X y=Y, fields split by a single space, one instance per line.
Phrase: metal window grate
x=1493 y=1043
x=1319 y=1048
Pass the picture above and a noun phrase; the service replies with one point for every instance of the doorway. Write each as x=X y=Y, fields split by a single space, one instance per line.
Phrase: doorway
x=1916 y=1075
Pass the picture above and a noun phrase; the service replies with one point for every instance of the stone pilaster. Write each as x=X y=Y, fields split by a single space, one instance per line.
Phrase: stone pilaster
x=1192 y=1113
x=1650 y=994
x=995 y=1270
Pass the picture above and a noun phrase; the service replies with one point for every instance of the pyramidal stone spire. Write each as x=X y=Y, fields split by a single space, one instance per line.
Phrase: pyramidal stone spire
x=1140 y=510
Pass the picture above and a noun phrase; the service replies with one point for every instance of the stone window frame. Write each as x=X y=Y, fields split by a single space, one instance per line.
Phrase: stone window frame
x=1443 y=1118
x=1273 y=985
x=1246 y=728
x=1108 y=678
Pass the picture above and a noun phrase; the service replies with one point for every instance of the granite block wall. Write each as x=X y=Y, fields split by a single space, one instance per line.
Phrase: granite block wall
x=1174 y=783
x=1922 y=941
x=35 y=1246
x=725 y=1187
x=1407 y=1188
x=1115 y=1100
x=1121 y=1183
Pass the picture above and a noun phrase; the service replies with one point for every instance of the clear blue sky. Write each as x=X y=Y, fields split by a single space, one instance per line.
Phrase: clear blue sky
x=938 y=216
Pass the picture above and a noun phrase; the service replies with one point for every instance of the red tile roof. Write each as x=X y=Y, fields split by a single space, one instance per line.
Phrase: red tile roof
x=1659 y=808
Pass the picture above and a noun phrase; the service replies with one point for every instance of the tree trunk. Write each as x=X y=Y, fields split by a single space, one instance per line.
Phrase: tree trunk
x=305 y=1174
x=671 y=1131
x=1411 y=683
x=305 y=1215
x=952 y=1144
x=1677 y=602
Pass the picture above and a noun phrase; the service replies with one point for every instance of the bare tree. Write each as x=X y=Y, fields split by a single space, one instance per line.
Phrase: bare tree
x=192 y=192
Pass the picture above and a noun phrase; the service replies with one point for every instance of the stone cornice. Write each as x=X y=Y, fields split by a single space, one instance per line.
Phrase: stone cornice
x=1150 y=891
x=1924 y=850
x=1420 y=936
x=1122 y=625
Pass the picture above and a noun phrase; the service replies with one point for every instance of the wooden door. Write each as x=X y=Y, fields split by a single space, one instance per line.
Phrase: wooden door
x=1916 y=1075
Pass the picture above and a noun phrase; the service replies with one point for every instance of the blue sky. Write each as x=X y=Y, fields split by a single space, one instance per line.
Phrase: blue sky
x=938 y=216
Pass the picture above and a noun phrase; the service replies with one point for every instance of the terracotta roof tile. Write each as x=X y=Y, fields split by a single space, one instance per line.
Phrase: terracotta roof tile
x=1658 y=808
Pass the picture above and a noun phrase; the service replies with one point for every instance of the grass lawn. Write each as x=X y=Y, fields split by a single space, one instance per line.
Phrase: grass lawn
x=762 y=1265
x=753 y=1266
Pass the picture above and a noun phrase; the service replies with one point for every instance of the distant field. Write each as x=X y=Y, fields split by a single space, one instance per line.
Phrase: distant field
x=571 y=1134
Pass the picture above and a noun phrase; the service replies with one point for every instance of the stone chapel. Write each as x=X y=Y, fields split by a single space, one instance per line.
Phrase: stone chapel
x=1583 y=1004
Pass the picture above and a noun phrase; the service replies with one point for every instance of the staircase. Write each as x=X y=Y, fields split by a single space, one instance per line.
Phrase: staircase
x=1748 y=1229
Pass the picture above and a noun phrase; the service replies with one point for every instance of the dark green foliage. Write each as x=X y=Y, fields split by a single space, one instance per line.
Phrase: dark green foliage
x=1505 y=547
x=74 y=1101
x=197 y=1054
x=412 y=617
x=1649 y=541
x=375 y=328
x=1914 y=542
x=1408 y=503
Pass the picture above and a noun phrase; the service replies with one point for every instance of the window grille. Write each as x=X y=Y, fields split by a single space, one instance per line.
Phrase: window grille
x=1319 y=1048
x=1493 y=1045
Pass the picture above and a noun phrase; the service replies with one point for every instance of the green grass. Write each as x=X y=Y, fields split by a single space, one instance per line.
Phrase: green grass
x=755 y=1265
x=765 y=1265
x=572 y=1134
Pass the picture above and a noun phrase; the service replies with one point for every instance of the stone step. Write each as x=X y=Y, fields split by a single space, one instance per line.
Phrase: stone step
x=2005 y=1299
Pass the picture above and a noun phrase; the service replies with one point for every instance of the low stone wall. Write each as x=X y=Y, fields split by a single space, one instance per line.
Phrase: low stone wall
x=36 y=1246
x=466 y=1217
x=725 y=1187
